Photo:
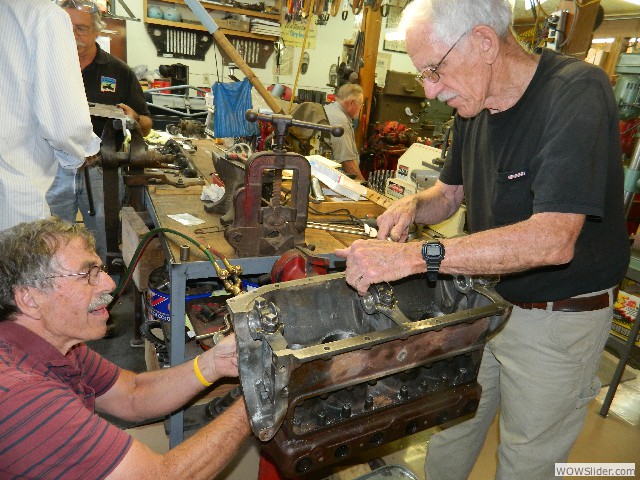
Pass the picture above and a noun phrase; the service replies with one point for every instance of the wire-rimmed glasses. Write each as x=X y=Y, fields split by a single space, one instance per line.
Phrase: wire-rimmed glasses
x=431 y=73
x=92 y=275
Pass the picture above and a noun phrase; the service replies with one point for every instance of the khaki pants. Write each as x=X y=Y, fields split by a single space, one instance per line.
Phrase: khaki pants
x=539 y=371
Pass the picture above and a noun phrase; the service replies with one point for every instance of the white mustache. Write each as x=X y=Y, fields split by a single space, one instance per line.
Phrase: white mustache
x=446 y=96
x=103 y=299
x=80 y=43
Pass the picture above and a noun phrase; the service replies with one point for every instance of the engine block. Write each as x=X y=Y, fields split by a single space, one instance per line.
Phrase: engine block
x=327 y=374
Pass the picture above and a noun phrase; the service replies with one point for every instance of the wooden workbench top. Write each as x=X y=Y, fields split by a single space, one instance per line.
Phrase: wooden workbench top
x=169 y=200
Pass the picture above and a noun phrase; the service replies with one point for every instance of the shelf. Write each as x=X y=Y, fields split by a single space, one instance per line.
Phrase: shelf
x=216 y=8
x=193 y=26
x=227 y=8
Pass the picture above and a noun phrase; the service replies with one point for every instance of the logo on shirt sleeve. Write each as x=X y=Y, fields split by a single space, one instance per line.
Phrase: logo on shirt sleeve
x=107 y=84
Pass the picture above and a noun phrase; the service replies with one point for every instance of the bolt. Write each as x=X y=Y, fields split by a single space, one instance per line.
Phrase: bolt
x=322 y=418
x=346 y=410
x=269 y=322
x=368 y=402
x=404 y=393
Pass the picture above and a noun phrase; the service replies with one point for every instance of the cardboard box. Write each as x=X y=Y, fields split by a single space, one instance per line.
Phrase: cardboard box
x=233 y=24
x=624 y=314
x=322 y=168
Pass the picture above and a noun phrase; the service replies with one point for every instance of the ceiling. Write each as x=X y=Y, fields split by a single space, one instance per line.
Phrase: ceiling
x=611 y=8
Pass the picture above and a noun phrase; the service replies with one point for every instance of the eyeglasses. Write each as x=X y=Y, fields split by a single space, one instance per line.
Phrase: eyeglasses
x=82 y=5
x=82 y=30
x=431 y=73
x=92 y=276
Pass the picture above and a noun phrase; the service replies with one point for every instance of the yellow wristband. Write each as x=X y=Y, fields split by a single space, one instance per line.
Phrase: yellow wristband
x=198 y=373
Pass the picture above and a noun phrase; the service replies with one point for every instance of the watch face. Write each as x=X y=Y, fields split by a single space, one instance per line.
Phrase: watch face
x=433 y=249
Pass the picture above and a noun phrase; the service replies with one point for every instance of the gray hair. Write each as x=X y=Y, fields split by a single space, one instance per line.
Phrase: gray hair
x=96 y=15
x=349 y=90
x=27 y=254
x=450 y=19
x=98 y=23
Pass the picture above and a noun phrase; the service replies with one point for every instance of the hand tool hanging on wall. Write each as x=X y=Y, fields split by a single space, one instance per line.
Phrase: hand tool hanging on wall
x=208 y=22
x=322 y=11
x=357 y=6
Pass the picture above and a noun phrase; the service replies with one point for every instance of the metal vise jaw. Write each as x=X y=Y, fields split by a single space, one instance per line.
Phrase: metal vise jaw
x=277 y=227
x=232 y=172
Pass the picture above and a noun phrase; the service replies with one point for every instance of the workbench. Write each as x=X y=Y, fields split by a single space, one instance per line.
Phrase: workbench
x=164 y=200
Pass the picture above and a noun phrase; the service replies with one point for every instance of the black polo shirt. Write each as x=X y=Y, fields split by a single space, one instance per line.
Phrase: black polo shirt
x=108 y=80
x=556 y=150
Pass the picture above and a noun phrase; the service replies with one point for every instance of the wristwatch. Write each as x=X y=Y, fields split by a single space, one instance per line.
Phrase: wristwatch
x=433 y=254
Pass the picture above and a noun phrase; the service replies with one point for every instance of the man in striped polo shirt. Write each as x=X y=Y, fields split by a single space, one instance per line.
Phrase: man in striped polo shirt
x=53 y=297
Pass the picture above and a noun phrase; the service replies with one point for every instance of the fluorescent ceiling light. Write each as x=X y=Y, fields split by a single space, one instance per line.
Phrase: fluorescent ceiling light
x=635 y=2
x=529 y=4
x=603 y=40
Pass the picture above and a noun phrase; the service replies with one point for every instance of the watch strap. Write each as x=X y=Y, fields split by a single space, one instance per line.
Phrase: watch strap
x=433 y=261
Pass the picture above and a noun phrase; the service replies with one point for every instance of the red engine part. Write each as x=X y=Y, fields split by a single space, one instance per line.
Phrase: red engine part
x=628 y=130
x=298 y=263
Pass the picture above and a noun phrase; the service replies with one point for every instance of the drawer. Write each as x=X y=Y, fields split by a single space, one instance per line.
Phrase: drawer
x=401 y=83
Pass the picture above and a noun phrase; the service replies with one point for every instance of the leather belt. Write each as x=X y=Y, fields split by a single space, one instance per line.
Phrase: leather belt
x=576 y=304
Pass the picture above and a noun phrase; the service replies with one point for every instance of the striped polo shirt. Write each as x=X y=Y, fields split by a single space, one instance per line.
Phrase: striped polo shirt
x=48 y=425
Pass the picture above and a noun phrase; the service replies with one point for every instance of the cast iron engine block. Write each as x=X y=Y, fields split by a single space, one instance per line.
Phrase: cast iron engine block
x=327 y=374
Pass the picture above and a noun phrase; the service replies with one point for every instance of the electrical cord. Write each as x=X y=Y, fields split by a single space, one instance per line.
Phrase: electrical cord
x=352 y=220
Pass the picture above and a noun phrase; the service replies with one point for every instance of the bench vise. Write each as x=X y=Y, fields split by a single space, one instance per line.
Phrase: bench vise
x=279 y=224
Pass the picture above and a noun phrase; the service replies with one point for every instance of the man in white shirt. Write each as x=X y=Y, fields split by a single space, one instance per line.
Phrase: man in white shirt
x=44 y=115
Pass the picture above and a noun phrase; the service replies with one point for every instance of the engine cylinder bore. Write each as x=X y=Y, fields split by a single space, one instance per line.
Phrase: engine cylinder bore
x=342 y=451
x=303 y=464
x=334 y=337
x=442 y=417
x=411 y=428
x=376 y=439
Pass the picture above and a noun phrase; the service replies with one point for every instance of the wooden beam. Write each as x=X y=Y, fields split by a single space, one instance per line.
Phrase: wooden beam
x=617 y=47
x=579 y=27
x=371 y=25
